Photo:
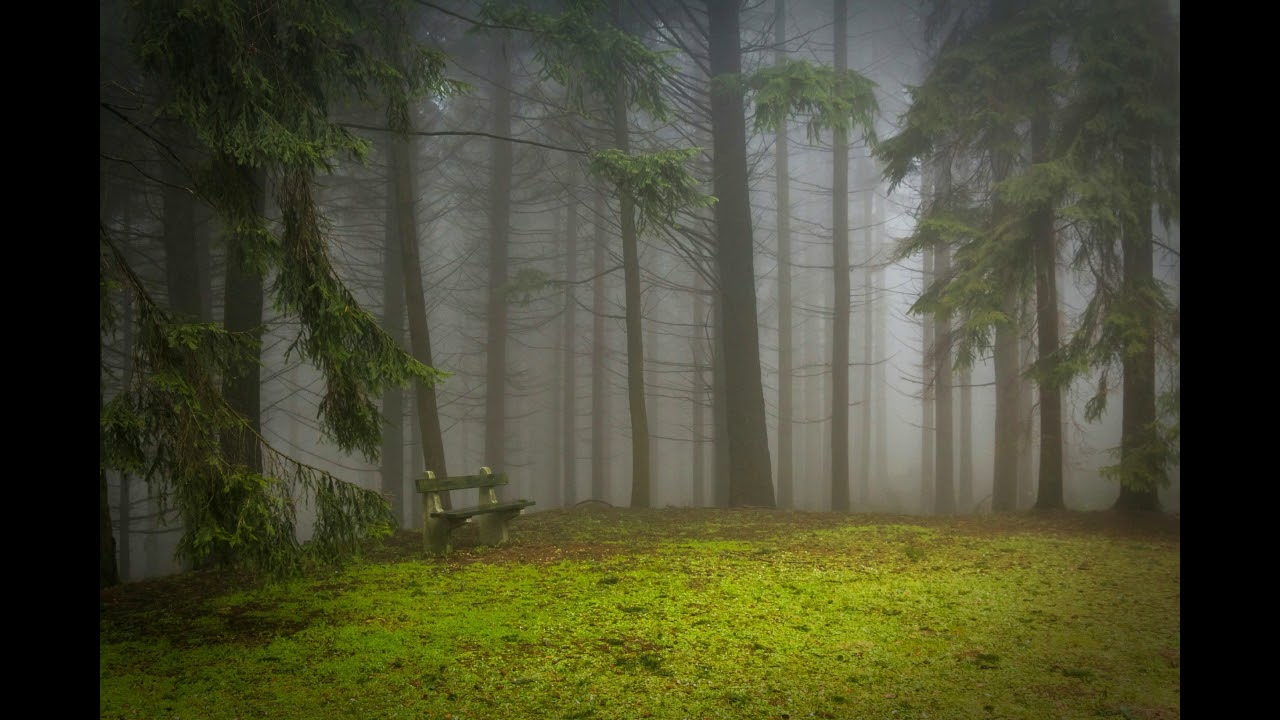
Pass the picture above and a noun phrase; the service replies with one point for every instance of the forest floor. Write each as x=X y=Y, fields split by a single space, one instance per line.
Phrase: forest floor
x=600 y=612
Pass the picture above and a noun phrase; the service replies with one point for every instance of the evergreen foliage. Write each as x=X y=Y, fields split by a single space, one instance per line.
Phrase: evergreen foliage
x=829 y=99
x=593 y=60
x=254 y=84
x=659 y=182
x=1122 y=152
x=1110 y=89
x=166 y=425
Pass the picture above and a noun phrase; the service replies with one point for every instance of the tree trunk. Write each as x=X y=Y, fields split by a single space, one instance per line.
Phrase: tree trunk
x=700 y=495
x=720 y=400
x=393 y=309
x=653 y=396
x=415 y=453
x=840 y=269
x=242 y=313
x=750 y=481
x=1067 y=412
x=569 y=356
x=431 y=435
x=181 y=265
x=868 y=175
x=1140 y=461
x=1004 y=480
x=965 y=473
x=1049 y=495
x=495 y=426
x=817 y=387
x=782 y=174
x=125 y=496
x=242 y=387
x=926 y=399
x=600 y=423
x=640 y=484
x=944 y=478
x=1026 y=415
x=108 y=571
x=881 y=415
x=1008 y=366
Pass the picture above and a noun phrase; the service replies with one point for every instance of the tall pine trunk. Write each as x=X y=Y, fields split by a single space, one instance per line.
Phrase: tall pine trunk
x=600 y=424
x=242 y=313
x=242 y=386
x=640 y=484
x=840 y=269
x=881 y=415
x=1008 y=367
x=1004 y=481
x=108 y=570
x=927 y=365
x=1049 y=493
x=1140 y=464
x=393 y=309
x=495 y=424
x=964 y=473
x=750 y=471
x=944 y=477
x=1027 y=435
x=126 y=494
x=431 y=435
x=720 y=400
x=569 y=354
x=782 y=179
x=868 y=176
x=698 y=432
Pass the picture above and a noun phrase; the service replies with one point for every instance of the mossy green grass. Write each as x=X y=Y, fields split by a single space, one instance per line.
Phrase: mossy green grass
x=677 y=614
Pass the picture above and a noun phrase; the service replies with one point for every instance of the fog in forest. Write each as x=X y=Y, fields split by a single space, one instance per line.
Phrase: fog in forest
x=520 y=255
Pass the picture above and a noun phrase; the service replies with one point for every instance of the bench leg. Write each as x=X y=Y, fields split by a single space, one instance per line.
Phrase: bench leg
x=493 y=527
x=435 y=536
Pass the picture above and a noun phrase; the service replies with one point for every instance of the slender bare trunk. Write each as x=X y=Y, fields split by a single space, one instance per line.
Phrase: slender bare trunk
x=785 y=382
x=640 y=483
x=927 y=364
x=600 y=424
x=840 y=268
x=720 y=402
x=868 y=307
x=1004 y=481
x=944 y=478
x=431 y=435
x=965 y=473
x=393 y=311
x=1027 y=434
x=495 y=437
x=1049 y=493
x=569 y=358
x=700 y=495
x=108 y=570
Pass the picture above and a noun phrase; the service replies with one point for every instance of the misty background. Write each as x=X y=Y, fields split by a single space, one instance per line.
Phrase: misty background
x=565 y=424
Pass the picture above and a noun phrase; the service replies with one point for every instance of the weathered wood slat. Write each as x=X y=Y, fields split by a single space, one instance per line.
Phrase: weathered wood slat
x=460 y=482
x=466 y=512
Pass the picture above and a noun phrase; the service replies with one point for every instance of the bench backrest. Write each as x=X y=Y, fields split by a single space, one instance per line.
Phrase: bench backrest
x=486 y=478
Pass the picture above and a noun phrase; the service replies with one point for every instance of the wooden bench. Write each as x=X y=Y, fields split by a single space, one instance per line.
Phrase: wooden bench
x=491 y=516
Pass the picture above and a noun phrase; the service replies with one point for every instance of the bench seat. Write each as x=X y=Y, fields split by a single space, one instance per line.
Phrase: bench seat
x=473 y=510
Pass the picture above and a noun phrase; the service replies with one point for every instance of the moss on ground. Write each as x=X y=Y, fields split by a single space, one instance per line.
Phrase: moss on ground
x=678 y=613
